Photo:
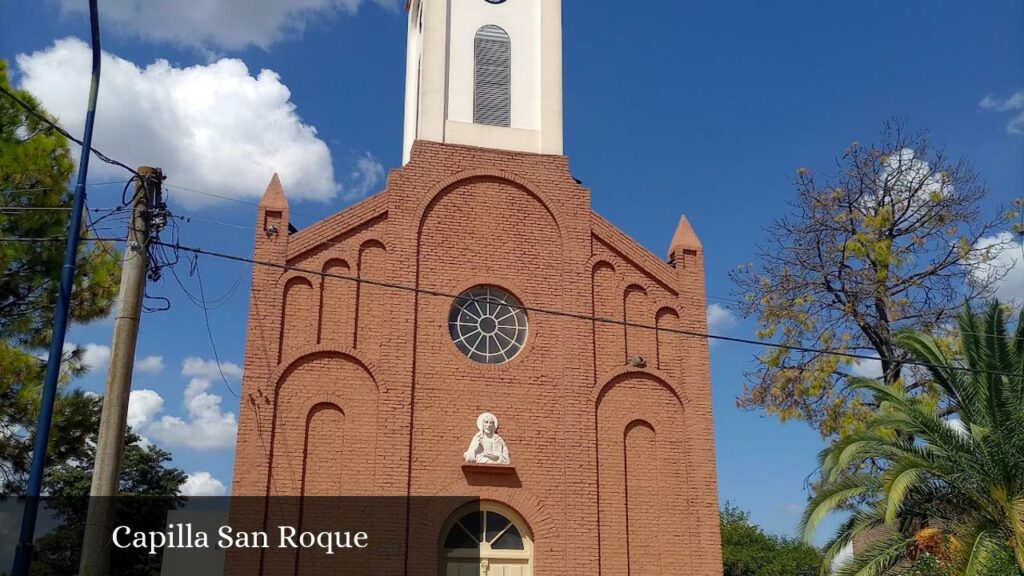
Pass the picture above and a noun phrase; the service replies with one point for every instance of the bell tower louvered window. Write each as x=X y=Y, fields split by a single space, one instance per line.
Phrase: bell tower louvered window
x=492 y=97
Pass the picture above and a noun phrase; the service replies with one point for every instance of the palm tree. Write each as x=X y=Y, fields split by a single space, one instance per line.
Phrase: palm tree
x=944 y=477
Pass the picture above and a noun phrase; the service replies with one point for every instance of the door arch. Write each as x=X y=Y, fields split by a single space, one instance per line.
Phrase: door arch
x=486 y=539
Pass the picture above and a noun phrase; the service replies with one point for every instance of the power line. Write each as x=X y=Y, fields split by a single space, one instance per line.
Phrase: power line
x=49 y=209
x=710 y=297
x=571 y=315
x=211 y=195
x=189 y=219
x=42 y=117
x=57 y=239
x=46 y=189
x=209 y=330
x=236 y=200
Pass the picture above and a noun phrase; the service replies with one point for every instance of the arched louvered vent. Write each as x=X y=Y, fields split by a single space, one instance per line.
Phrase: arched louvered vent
x=492 y=97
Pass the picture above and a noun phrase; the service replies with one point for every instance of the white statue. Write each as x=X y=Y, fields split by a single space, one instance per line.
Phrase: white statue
x=487 y=447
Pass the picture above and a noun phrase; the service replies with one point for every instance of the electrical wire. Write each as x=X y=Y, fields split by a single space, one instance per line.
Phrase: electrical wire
x=235 y=200
x=43 y=118
x=89 y=185
x=209 y=330
x=571 y=315
x=715 y=299
x=202 y=303
x=56 y=239
x=48 y=209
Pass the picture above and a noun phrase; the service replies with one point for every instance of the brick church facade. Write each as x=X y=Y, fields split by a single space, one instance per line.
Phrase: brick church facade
x=365 y=376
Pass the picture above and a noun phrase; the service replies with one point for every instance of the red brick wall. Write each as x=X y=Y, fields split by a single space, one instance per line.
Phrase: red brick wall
x=615 y=467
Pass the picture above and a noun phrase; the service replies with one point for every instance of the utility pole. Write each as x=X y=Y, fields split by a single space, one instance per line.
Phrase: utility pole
x=110 y=442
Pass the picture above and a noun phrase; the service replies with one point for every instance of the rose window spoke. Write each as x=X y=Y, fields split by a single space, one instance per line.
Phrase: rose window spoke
x=488 y=325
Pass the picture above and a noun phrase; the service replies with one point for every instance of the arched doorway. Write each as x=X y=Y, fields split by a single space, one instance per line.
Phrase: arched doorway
x=486 y=539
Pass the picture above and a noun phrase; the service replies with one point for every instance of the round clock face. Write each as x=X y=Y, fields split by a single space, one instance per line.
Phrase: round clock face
x=496 y=1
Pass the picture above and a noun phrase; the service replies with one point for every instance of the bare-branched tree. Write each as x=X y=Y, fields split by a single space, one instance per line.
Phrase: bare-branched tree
x=894 y=238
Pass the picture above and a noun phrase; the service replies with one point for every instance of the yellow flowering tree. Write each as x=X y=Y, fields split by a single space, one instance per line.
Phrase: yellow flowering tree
x=889 y=240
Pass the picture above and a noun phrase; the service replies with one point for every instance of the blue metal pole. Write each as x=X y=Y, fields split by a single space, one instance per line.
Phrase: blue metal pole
x=23 y=554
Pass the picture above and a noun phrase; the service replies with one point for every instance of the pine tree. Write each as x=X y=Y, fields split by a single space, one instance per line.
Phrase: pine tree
x=35 y=170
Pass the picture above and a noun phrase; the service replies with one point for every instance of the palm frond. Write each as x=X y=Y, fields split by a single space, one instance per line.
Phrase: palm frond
x=905 y=477
x=978 y=554
x=832 y=496
x=877 y=558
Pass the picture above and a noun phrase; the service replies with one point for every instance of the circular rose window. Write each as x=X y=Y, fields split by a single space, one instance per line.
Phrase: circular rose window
x=488 y=325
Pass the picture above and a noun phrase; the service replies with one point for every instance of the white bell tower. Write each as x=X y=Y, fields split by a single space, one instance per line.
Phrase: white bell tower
x=485 y=73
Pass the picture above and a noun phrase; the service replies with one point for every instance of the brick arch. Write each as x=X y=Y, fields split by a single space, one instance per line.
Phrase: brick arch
x=601 y=263
x=370 y=299
x=335 y=262
x=637 y=309
x=296 y=358
x=373 y=243
x=639 y=422
x=609 y=379
x=444 y=186
x=439 y=511
x=300 y=391
x=644 y=490
x=598 y=259
x=670 y=346
x=609 y=347
x=489 y=249
x=298 y=309
x=643 y=496
x=337 y=303
x=525 y=503
x=311 y=460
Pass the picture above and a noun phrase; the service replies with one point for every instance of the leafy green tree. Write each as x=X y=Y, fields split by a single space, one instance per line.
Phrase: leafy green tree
x=951 y=488
x=35 y=169
x=748 y=551
x=881 y=244
x=148 y=489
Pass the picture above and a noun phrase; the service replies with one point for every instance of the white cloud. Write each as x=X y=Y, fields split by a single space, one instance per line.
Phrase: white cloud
x=96 y=356
x=202 y=484
x=1005 y=262
x=1014 y=103
x=365 y=177
x=213 y=128
x=207 y=428
x=223 y=24
x=720 y=318
x=792 y=509
x=910 y=182
x=91 y=356
x=150 y=365
x=143 y=405
x=207 y=369
x=866 y=368
x=205 y=425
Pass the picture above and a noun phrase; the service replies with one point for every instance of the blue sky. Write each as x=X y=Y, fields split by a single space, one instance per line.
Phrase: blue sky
x=702 y=108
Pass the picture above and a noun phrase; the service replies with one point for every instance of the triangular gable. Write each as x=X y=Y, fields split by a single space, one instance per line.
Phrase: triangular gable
x=631 y=251
x=334 y=226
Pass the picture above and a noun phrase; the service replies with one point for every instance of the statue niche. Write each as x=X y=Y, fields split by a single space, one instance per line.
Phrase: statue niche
x=487 y=447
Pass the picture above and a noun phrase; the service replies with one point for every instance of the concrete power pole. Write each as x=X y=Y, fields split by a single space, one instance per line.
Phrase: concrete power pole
x=110 y=442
